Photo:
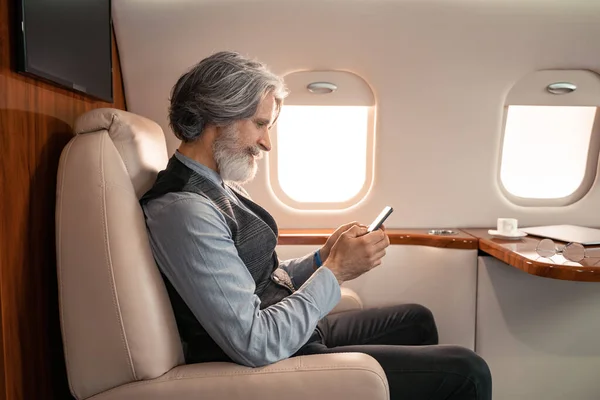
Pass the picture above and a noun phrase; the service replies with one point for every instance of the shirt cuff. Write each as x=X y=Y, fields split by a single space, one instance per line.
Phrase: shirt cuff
x=302 y=268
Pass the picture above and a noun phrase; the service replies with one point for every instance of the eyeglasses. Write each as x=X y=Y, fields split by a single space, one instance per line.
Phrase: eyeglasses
x=575 y=252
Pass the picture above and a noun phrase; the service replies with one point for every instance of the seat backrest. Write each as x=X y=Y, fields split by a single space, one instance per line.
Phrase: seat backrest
x=116 y=319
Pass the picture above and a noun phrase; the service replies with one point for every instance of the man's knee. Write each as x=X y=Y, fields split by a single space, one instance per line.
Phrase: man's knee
x=423 y=313
x=472 y=366
x=423 y=317
x=414 y=312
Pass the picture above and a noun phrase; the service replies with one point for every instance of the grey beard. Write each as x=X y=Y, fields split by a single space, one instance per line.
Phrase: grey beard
x=234 y=164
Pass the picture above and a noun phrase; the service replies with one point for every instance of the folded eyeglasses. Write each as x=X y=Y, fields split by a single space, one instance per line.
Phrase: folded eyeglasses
x=571 y=251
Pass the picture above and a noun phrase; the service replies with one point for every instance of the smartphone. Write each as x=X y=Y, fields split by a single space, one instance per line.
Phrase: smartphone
x=380 y=219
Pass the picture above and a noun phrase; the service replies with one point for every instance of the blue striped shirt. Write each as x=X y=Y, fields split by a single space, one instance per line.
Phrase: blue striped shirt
x=193 y=247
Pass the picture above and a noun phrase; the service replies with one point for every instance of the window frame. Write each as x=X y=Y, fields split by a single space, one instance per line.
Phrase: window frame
x=531 y=91
x=352 y=91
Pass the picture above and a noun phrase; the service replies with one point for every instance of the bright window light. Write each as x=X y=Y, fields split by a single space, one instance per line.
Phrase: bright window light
x=322 y=152
x=545 y=150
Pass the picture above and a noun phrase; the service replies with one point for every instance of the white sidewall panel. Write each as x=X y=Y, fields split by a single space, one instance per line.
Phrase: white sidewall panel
x=444 y=280
x=540 y=336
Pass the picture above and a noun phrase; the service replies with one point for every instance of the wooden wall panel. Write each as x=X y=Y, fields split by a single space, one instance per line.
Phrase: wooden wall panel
x=36 y=120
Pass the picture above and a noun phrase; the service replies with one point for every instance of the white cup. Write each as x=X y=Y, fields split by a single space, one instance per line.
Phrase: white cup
x=507 y=226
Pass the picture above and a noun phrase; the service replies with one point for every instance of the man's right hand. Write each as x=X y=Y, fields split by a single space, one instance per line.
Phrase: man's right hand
x=356 y=252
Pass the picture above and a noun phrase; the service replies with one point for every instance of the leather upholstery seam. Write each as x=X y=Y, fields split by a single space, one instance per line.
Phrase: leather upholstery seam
x=338 y=368
x=109 y=259
x=358 y=304
x=119 y=145
x=298 y=368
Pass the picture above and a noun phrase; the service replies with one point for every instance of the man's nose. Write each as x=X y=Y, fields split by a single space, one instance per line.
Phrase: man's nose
x=265 y=141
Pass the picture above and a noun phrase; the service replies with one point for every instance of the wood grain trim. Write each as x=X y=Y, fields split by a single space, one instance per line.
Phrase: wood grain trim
x=521 y=254
x=303 y=236
x=415 y=237
x=581 y=273
x=36 y=120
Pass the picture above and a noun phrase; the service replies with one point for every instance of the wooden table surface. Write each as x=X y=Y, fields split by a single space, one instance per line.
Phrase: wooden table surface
x=419 y=237
x=521 y=254
x=518 y=253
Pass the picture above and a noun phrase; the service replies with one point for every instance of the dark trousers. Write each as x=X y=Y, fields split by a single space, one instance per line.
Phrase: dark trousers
x=403 y=339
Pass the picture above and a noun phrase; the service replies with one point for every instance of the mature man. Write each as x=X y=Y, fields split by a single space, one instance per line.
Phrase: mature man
x=233 y=299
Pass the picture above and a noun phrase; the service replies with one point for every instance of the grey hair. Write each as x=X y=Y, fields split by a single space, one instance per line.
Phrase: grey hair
x=219 y=90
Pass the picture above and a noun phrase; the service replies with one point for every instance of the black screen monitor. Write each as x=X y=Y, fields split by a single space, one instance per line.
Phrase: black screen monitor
x=67 y=42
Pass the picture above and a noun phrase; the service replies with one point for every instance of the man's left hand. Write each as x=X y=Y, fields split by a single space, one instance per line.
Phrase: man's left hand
x=326 y=249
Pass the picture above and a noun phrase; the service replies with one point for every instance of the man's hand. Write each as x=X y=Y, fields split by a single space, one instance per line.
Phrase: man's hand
x=326 y=249
x=356 y=252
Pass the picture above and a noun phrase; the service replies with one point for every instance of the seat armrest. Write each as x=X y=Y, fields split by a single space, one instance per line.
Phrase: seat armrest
x=348 y=376
x=349 y=301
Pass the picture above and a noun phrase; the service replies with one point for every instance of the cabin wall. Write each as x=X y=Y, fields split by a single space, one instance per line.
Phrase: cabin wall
x=443 y=280
x=36 y=122
x=440 y=72
x=539 y=336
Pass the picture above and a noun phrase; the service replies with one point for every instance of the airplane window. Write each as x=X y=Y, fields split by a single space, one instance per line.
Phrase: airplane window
x=545 y=150
x=323 y=142
x=321 y=152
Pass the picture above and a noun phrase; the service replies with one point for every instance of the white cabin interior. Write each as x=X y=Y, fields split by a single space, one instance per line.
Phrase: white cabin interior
x=453 y=123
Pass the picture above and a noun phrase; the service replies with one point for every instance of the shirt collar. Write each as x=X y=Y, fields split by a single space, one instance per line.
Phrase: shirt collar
x=199 y=168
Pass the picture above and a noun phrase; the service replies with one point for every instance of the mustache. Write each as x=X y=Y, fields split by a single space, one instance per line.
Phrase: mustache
x=255 y=152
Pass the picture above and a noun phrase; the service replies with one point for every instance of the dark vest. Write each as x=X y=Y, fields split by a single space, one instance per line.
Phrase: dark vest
x=255 y=239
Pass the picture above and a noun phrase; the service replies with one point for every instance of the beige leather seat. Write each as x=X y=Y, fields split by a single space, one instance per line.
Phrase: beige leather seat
x=118 y=328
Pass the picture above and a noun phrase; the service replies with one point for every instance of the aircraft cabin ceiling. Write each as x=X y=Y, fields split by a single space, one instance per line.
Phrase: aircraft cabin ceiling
x=440 y=73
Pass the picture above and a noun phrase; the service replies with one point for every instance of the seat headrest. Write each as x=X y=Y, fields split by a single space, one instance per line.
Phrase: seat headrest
x=139 y=141
x=115 y=121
